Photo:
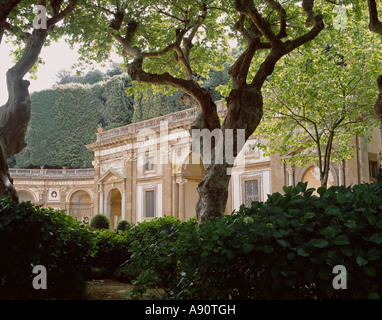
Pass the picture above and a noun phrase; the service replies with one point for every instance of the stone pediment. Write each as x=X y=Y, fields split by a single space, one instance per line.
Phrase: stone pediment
x=112 y=175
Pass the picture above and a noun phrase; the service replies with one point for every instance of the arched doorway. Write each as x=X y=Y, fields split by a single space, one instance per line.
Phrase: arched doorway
x=80 y=205
x=312 y=176
x=115 y=207
x=25 y=196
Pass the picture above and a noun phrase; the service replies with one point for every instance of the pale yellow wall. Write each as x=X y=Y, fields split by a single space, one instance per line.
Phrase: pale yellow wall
x=376 y=141
x=191 y=197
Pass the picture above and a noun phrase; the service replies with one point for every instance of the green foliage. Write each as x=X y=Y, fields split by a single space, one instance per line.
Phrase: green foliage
x=33 y=236
x=284 y=248
x=327 y=86
x=64 y=119
x=124 y=225
x=111 y=252
x=152 y=257
x=100 y=222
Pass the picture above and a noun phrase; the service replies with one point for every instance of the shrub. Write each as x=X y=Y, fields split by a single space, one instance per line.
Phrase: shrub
x=99 y=222
x=152 y=258
x=111 y=251
x=286 y=247
x=30 y=236
x=123 y=225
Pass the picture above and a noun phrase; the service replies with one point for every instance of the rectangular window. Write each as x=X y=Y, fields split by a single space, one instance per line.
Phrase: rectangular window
x=149 y=165
x=149 y=204
x=373 y=169
x=251 y=192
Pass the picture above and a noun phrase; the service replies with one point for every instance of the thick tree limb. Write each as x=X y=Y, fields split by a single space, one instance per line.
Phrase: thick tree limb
x=247 y=7
x=6 y=7
x=282 y=17
x=374 y=24
x=16 y=113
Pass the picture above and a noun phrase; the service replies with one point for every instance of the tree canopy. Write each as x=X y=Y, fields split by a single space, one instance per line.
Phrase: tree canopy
x=322 y=96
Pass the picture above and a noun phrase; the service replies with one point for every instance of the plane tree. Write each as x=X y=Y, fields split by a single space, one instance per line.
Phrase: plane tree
x=174 y=43
x=330 y=100
x=375 y=25
x=16 y=24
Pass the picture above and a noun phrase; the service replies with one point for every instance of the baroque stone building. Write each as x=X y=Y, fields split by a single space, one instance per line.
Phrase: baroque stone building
x=147 y=169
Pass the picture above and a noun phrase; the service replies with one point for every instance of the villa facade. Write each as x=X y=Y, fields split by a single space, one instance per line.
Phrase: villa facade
x=148 y=169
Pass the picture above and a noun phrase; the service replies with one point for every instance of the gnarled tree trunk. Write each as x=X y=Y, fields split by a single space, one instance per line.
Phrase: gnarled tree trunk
x=16 y=113
x=245 y=110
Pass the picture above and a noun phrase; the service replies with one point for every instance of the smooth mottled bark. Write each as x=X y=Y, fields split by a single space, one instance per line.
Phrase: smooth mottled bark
x=16 y=113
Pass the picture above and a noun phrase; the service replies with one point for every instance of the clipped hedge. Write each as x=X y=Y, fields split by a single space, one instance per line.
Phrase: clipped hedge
x=111 y=250
x=152 y=246
x=284 y=248
x=30 y=236
x=100 y=222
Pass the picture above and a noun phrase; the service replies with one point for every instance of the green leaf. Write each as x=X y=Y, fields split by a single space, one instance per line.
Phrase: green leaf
x=370 y=271
x=376 y=238
x=373 y=295
x=361 y=261
x=247 y=248
x=309 y=215
x=373 y=254
x=302 y=252
x=347 y=251
x=341 y=240
x=282 y=242
x=320 y=243
x=329 y=232
x=351 y=224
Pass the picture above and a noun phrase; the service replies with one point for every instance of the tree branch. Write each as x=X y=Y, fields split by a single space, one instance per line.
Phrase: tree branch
x=282 y=17
x=247 y=7
x=374 y=24
x=16 y=31
x=6 y=8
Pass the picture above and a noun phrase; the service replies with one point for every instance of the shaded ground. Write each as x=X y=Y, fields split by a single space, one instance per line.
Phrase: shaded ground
x=108 y=290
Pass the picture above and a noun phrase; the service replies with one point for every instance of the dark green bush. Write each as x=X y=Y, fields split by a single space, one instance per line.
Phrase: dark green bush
x=100 y=222
x=124 y=225
x=151 y=246
x=30 y=236
x=284 y=248
x=111 y=251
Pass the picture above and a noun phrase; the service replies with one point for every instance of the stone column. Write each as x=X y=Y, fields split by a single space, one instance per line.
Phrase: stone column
x=290 y=170
x=133 y=168
x=182 y=194
x=341 y=173
x=123 y=206
x=101 y=199
x=175 y=195
x=379 y=158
